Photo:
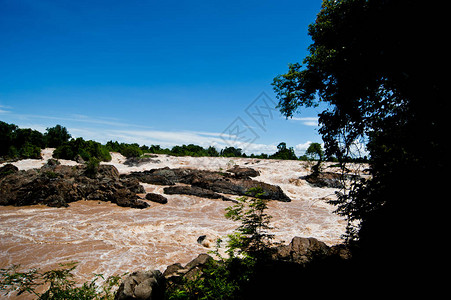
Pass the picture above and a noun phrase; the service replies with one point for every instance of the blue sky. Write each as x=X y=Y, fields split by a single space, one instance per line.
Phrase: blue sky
x=155 y=72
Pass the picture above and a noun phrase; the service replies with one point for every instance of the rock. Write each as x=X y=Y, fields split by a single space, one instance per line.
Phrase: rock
x=214 y=181
x=201 y=239
x=108 y=171
x=150 y=177
x=241 y=172
x=147 y=285
x=196 y=266
x=200 y=261
x=325 y=179
x=172 y=270
x=8 y=169
x=79 y=159
x=53 y=162
x=138 y=161
x=58 y=185
x=193 y=191
x=156 y=198
x=302 y=250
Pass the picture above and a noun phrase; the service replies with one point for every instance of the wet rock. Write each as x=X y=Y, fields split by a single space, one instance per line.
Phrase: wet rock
x=217 y=182
x=53 y=162
x=156 y=198
x=150 y=177
x=329 y=179
x=139 y=161
x=143 y=285
x=108 y=171
x=8 y=169
x=241 y=172
x=325 y=179
x=79 y=159
x=201 y=239
x=58 y=185
x=193 y=191
x=302 y=250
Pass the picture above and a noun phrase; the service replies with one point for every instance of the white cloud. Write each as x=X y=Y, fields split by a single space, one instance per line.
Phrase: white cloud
x=4 y=109
x=308 y=121
x=302 y=147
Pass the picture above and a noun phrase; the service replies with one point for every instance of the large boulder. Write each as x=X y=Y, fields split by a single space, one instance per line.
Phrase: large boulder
x=174 y=274
x=243 y=172
x=193 y=191
x=58 y=185
x=302 y=250
x=218 y=182
x=8 y=169
x=157 y=198
x=142 y=285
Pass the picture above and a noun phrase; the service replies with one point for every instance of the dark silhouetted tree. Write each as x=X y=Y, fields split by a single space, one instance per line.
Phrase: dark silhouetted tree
x=383 y=85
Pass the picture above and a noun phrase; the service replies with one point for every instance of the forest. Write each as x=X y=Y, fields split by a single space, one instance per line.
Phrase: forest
x=18 y=143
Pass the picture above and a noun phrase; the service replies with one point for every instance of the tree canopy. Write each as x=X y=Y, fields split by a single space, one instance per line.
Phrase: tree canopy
x=377 y=65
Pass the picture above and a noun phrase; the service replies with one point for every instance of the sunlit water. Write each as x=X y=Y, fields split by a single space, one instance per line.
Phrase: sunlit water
x=105 y=238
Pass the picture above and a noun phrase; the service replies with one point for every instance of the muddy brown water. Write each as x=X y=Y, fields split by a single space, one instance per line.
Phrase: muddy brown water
x=105 y=238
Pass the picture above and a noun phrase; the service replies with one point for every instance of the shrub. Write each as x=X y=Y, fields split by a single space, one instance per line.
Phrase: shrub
x=86 y=149
x=248 y=246
x=58 y=282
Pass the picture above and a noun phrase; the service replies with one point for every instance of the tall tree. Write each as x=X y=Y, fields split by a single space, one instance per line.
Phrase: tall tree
x=378 y=66
x=56 y=136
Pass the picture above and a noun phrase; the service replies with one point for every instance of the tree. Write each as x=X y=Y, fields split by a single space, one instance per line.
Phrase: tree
x=56 y=136
x=282 y=146
x=363 y=64
x=231 y=152
x=284 y=152
x=315 y=152
x=252 y=237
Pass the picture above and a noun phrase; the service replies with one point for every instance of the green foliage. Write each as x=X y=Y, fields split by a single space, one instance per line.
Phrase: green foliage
x=92 y=167
x=86 y=149
x=215 y=282
x=315 y=152
x=284 y=152
x=361 y=67
x=252 y=237
x=248 y=246
x=17 y=143
x=56 y=136
x=57 y=282
x=128 y=150
x=231 y=152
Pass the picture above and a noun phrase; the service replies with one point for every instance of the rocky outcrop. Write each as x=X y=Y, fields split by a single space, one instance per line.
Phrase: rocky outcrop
x=325 y=179
x=157 y=198
x=8 y=169
x=194 y=191
x=225 y=183
x=304 y=250
x=330 y=179
x=58 y=185
x=139 y=161
x=305 y=260
x=143 y=285
x=242 y=172
x=175 y=273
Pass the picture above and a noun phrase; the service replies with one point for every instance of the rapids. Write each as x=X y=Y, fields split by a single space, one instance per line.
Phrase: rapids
x=108 y=239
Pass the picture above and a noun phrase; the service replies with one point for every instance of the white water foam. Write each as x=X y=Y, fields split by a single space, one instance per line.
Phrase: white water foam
x=105 y=238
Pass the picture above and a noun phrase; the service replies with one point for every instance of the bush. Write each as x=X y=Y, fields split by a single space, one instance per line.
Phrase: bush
x=56 y=136
x=58 y=282
x=248 y=246
x=86 y=149
x=17 y=143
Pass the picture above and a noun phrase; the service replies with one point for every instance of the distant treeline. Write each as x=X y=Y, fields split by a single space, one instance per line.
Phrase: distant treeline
x=17 y=143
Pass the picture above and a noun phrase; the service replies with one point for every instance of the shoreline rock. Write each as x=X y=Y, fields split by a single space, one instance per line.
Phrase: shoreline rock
x=218 y=182
x=59 y=185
